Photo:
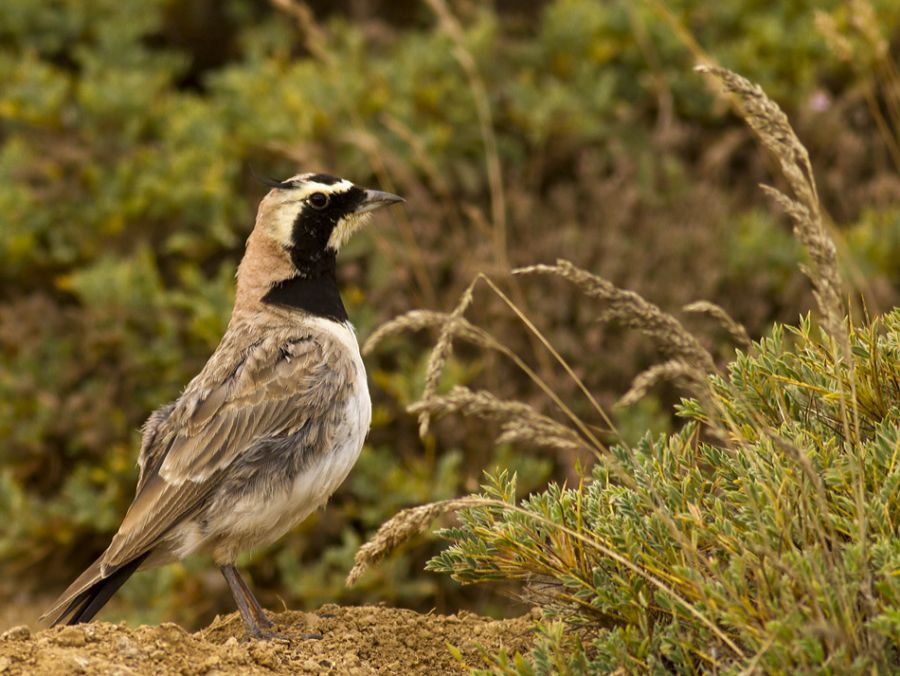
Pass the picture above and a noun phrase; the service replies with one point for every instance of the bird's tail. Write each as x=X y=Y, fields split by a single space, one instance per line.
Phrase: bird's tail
x=90 y=592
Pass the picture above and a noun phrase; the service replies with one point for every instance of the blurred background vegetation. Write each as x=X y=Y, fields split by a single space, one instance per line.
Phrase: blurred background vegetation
x=519 y=132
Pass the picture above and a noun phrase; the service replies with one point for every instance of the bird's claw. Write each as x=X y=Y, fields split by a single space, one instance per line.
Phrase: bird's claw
x=263 y=635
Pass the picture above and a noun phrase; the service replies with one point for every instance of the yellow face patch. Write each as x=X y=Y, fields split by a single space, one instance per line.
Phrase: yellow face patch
x=345 y=228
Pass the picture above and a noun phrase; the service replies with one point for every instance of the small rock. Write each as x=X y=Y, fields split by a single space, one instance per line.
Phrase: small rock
x=172 y=628
x=210 y=662
x=71 y=637
x=4 y=664
x=76 y=664
x=19 y=633
x=127 y=647
x=266 y=654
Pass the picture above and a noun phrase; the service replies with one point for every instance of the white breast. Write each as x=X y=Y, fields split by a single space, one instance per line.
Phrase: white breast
x=359 y=407
x=323 y=476
x=315 y=485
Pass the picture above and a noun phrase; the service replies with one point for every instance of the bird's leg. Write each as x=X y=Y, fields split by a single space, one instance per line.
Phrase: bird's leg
x=235 y=583
x=251 y=611
x=252 y=600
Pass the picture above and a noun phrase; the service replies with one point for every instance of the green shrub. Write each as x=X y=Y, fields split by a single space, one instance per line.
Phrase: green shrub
x=775 y=548
x=761 y=536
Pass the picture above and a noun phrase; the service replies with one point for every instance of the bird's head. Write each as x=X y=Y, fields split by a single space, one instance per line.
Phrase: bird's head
x=301 y=225
x=311 y=216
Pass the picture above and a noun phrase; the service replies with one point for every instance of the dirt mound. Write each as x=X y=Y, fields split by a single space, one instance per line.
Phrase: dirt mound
x=364 y=640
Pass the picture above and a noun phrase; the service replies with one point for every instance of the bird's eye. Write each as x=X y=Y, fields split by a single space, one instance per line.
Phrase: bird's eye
x=318 y=200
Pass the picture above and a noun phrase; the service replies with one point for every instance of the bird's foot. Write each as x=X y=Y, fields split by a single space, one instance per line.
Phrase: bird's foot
x=264 y=620
x=261 y=634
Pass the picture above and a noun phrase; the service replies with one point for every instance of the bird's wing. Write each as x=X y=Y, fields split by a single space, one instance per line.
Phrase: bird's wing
x=153 y=448
x=273 y=391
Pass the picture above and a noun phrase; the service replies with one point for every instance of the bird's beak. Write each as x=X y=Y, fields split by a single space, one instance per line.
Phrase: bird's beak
x=375 y=199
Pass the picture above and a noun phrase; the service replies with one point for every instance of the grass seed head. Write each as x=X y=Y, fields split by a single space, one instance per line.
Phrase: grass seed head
x=735 y=328
x=632 y=310
x=400 y=528
x=520 y=423
x=772 y=128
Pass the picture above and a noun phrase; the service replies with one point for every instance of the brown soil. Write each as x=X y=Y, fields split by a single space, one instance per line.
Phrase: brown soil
x=363 y=640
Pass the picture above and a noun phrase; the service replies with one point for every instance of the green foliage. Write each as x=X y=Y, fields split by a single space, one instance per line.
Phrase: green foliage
x=126 y=131
x=783 y=536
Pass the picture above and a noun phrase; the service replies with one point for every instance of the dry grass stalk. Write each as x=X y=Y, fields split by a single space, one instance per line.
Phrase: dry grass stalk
x=541 y=340
x=441 y=353
x=400 y=528
x=314 y=37
x=416 y=320
x=734 y=328
x=837 y=42
x=520 y=423
x=771 y=126
x=827 y=284
x=467 y=62
x=460 y=327
x=773 y=129
x=673 y=370
x=635 y=312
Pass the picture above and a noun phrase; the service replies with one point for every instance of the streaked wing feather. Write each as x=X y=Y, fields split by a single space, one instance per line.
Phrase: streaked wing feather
x=272 y=395
x=155 y=443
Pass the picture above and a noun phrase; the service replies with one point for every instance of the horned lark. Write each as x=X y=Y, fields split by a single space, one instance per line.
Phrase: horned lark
x=273 y=423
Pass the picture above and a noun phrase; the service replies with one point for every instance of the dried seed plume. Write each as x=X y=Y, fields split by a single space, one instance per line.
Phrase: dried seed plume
x=520 y=423
x=632 y=310
x=735 y=328
x=771 y=126
x=416 y=320
x=673 y=370
x=400 y=528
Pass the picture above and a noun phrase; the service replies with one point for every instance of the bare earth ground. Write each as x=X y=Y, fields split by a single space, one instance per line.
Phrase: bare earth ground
x=355 y=640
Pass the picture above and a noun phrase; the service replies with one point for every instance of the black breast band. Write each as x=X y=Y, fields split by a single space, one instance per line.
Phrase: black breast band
x=317 y=295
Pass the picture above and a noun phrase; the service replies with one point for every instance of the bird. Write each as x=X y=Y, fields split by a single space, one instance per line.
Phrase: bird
x=273 y=423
